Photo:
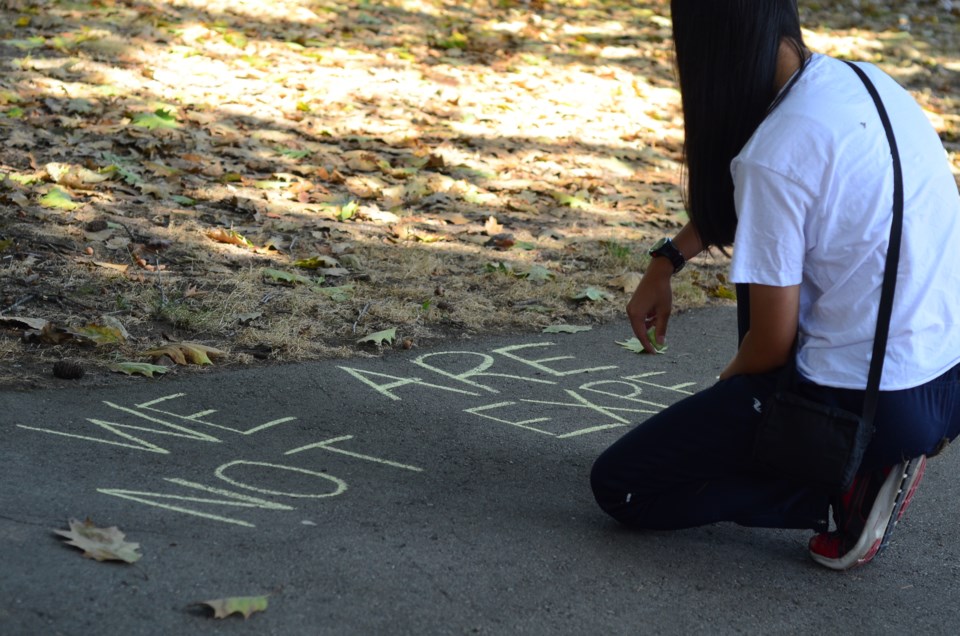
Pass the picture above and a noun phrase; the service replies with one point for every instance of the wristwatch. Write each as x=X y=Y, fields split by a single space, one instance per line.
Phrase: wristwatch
x=665 y=247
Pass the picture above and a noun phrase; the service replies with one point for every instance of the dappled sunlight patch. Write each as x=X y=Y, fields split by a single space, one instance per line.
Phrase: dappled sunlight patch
x=382 y=137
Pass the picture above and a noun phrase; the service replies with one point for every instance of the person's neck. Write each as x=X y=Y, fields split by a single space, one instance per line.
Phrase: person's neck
x=788 y=63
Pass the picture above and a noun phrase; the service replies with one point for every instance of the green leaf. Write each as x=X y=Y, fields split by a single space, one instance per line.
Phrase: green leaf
x=100 y=334
x=28 y=44
x=571 y=201
x=347 y=211
x=498 y=268
x=182 y=200
x=387 y=335
x=455 y=40
x=286 y=277
x=316 y=262
x=235 y=39
x=59 y=200
x=24 y=179
x=14 y=113
x=293 y=154
x=538 y=274
x=142 y=368
x=337 y=294
x=246 y=605
x=592 y=294
x=634 y=344
x=160 y=118
x=566 y=329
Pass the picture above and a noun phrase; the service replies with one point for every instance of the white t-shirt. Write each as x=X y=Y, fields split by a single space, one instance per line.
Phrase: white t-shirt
x=814 y=199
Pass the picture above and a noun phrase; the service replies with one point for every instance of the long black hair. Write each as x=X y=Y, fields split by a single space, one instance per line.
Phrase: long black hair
x=726 y=56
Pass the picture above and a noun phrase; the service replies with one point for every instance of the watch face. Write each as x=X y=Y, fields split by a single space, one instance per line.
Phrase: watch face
x=659 y=244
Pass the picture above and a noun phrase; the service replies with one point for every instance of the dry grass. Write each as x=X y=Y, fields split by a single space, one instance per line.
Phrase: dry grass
x=432 y=116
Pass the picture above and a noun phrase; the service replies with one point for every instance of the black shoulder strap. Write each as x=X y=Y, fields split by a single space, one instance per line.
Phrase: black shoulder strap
x=893 y=258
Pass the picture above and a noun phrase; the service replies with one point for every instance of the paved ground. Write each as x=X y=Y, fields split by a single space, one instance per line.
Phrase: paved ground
x=428 y=492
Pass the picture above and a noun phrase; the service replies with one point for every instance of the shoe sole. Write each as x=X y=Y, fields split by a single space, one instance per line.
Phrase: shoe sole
x=897 y=489
x=913 y=477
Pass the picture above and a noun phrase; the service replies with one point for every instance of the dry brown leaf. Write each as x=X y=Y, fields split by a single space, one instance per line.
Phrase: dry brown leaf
x=229 y=236
x=101 y=544
x=628 y=281
x=362 y=160
x=492 y=226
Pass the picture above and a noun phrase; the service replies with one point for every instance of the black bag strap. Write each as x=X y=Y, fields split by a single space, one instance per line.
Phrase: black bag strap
x=893 y=258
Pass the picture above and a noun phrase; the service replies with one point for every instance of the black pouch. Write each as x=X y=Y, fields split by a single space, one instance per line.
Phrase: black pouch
x=810 y=443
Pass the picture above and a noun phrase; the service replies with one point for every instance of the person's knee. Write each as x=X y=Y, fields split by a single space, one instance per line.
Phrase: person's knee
x=606 y=481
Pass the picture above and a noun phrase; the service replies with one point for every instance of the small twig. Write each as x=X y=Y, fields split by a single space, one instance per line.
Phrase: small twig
x=163 y=292
x=360 y=315
x=129 y=233
x=23 y=300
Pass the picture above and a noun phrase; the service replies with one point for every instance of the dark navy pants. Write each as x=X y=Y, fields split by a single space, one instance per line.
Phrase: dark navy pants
x=689 y=464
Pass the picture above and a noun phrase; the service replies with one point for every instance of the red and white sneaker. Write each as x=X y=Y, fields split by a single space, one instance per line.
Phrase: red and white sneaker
x=866 y=515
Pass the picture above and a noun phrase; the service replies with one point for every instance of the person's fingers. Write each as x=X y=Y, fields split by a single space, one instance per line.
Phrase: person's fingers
x=642 y=331
x=661 y=323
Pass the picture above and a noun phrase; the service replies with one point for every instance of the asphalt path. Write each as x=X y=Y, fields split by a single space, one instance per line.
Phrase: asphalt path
x=440 y=491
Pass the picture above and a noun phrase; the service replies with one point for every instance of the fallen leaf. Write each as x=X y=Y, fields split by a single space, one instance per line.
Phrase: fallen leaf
x=501 y=241
x=160 y=118
x=106 y=330
x=23 y=321
x=73 y=176
x=492 y=226
x=141 y=368
x=337 y=294
x=102 y=544
x=499 y=268
x=247 y=318
x=99 y=333
x=566 y=329
x=246 y=605
x=186 y=353
x=229 y=236
x=286 y=277
x=58 y=199
x=538 y=274
x=362 y=160
x=592 y=294
x=315 y=262
x=628 y=282
x=634 y=344
x=52 y=334
x=345 y=212
x=722 y=291
x=378 y=338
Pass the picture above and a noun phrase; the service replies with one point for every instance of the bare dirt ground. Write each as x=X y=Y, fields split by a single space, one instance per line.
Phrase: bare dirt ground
x=289 y=180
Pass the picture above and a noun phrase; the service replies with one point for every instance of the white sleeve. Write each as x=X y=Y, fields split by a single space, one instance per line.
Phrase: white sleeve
x=769 y=246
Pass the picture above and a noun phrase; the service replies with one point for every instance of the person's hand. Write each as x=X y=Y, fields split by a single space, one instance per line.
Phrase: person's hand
x=651 y=303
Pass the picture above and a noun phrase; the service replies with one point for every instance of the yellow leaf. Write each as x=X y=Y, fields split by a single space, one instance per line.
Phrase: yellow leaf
x=186 y=353
x=246 y=605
